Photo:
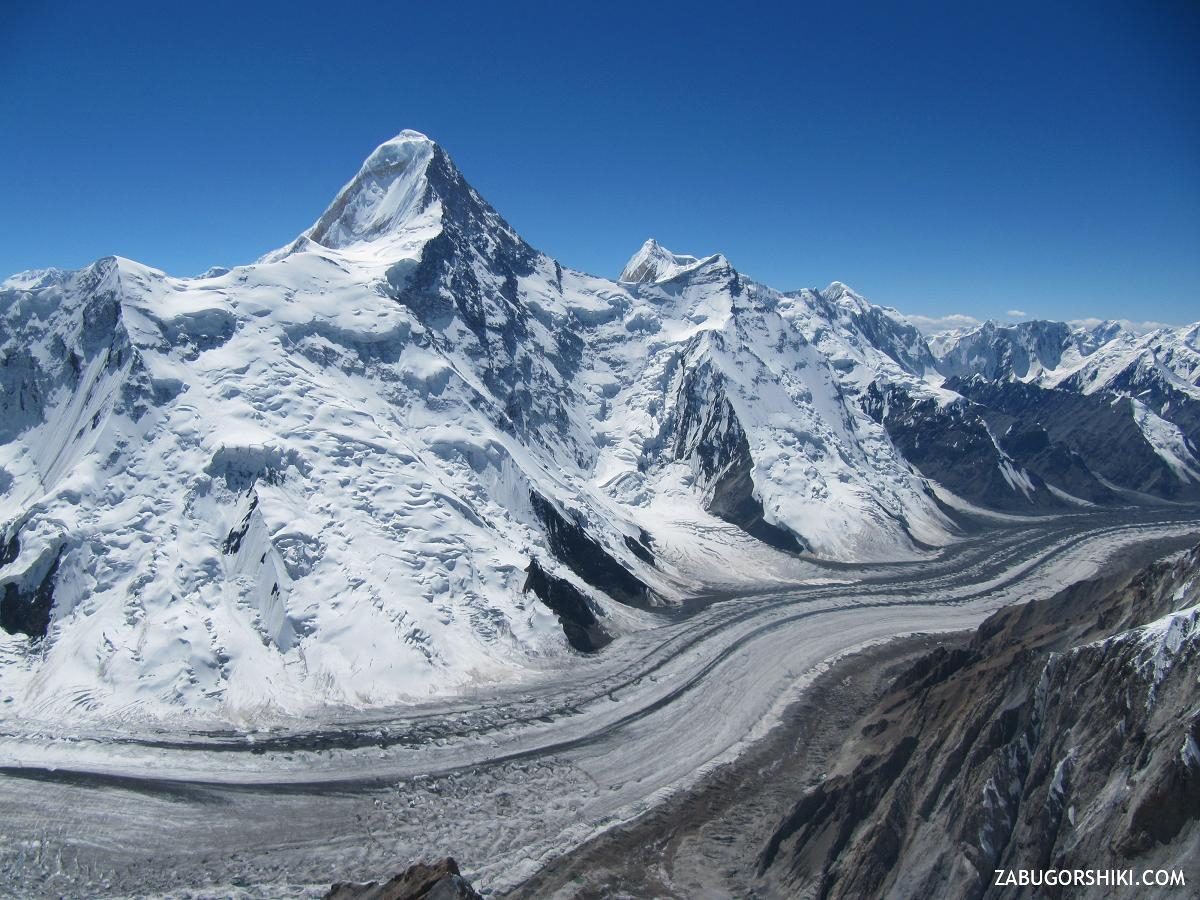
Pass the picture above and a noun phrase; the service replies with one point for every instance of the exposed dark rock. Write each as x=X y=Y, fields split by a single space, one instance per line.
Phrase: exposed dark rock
x=472 y=271
x=438 y=881
x=586 y=557
x=28 y=612
x=734 y=501
x=898 y=339
x=708 y=432
x=641 y=546
x=1075 y=441
x=11 y=549
x=704 y=841
x=1086 y=445
x=575 y=612
x=831 y=813
x=233 y=541
x=1153 y=387
x=951 y=444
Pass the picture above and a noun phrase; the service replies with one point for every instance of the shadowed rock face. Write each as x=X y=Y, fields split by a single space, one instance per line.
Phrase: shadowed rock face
x=25 y=611
x=952 y=445
x=1003 y=444
x=733 y=499
x=575 y=612
x=1154 y=389
x=709 y=432
x=1079 y=442
x=586 y=557
x=439 y=881
x=1001 y=352
x=1063 y=736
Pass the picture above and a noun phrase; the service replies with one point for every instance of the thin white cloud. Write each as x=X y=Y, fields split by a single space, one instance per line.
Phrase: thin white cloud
x=1017 y=314
x=935 y=324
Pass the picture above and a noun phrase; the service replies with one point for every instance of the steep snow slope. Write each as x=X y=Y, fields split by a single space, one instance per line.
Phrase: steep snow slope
x=1054 y=354
x=408 y=452
x=1172 y=354
x=1161 y=370
x=742 y=386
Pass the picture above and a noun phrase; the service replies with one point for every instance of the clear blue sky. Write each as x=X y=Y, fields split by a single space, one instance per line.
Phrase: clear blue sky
x=942 y=158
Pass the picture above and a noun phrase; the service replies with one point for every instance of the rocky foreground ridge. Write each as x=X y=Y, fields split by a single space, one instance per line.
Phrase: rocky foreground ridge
x=1063 y=735
x=440 y=880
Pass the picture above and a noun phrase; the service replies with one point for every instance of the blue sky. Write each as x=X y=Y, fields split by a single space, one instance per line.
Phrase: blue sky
x=943 y=158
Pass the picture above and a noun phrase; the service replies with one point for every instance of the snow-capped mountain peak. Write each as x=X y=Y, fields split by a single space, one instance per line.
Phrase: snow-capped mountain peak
x=654 y=262
x=409 y=452
x=1018 y=351
x=406 y=193
x=388 y=193
x=1191 y=336
x=838 y=290
x=1106 y=331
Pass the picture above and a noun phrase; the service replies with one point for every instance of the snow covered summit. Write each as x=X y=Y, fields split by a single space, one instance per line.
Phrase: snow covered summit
x=653 y=262
x=390 y=190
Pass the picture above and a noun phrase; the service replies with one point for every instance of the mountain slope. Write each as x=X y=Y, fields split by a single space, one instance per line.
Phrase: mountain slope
x=1053 y=417
x=408 y=452
x=1062 y=736
x=1022 y=351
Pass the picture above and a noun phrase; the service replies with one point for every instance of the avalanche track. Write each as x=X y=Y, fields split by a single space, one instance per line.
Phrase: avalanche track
x=506 y=779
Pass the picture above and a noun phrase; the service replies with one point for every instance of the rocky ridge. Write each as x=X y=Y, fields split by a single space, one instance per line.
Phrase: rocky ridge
x=1062 y=736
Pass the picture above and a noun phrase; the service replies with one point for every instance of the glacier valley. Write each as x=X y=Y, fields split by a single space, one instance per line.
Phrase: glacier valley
x=408 y=531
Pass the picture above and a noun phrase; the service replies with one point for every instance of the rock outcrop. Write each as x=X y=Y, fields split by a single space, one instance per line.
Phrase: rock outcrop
x=1063 y=735
x=423 y=881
